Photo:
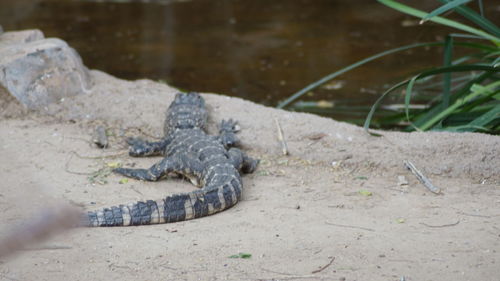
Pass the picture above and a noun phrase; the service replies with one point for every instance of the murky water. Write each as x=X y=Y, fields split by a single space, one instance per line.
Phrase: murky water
x=256 y=49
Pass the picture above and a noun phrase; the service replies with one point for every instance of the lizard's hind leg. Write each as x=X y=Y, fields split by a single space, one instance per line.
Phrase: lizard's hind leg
x=227 y=133
x=241 y=161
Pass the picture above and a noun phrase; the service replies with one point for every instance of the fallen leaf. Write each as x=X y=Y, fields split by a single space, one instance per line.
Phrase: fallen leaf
x=365 y=192
x=241 y=256
x=114 y=165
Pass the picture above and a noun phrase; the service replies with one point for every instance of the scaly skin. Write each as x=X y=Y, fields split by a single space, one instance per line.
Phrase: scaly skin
x=210 y=162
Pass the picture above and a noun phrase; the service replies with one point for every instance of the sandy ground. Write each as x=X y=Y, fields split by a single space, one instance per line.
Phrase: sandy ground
x=332 y=210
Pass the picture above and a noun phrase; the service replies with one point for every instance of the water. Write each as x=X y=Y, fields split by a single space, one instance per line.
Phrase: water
x=259 y=50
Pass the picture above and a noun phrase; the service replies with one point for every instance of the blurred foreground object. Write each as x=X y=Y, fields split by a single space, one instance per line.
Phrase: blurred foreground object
x=36 y=230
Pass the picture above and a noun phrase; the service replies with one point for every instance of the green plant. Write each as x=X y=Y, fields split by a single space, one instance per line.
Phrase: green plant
x=469 y=102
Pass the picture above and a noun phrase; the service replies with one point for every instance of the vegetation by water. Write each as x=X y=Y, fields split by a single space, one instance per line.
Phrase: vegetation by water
x=462 y=94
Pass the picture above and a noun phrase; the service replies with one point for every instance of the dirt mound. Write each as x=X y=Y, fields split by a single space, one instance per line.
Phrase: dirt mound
x=335 y=197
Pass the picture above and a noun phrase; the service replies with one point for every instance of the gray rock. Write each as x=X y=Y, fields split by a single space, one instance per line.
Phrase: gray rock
x=10 y=39
x=38 y=71
x=1 y=30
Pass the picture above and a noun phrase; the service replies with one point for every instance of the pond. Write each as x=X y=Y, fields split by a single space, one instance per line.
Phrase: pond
x=259 y=50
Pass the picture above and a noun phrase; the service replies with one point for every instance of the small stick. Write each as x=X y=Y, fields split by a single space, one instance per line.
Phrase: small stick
x=99 y=157
x=302 y=277
x=281 y=137
x=323 y=267
x=134 y=189
x=350 y=226
x=66 y=168
x=443 y=225
x=474 y=215
x=425 y=181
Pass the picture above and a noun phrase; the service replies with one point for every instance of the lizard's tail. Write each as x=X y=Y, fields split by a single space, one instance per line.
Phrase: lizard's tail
x=178 y=207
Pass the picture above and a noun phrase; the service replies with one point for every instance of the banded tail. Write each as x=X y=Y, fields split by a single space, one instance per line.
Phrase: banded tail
x=174 y=208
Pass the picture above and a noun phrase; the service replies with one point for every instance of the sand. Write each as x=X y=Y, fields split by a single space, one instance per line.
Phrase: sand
x=333 y=209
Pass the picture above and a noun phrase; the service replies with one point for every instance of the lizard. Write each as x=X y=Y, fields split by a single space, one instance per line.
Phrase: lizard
x=213 y=163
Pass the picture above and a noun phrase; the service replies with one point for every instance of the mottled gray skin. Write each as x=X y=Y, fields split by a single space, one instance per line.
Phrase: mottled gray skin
x=210 y=162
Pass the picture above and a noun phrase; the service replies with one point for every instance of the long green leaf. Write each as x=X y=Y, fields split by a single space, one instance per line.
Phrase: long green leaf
x=483 y=47
x=486 y=118
x=417 y=13
x=476 y=18
x=427 y=115
x=447 y=71
x=483 y=89
x=455 y=68
x=429 y=85
x=445 y=8
x=457 y=104
x=477 y=104
x=465 y=128
x=496 y=62
x=458 y=68
x=368 y=120
x=409 y=89
x=481 y=8
x=335 y=74
x=448 y=54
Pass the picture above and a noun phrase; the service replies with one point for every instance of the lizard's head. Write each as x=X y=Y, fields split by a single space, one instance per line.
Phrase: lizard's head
x=187 y=111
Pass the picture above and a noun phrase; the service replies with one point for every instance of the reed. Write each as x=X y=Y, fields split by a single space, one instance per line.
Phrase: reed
x=462 y=94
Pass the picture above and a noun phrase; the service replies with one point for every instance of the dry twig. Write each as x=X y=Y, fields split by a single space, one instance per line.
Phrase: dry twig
x=99 y=157
x=350 y=226
x=424 y=180
x=442 y=225
x=281 y=138
x=290 y=278
x=475 y=215
x=324 y=267
x=66 y=167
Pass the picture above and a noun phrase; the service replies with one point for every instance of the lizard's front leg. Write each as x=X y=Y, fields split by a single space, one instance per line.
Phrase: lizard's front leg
x=139 y=147
x=156 y=172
